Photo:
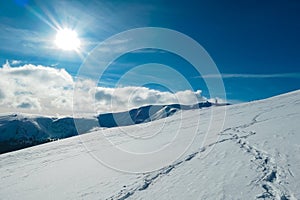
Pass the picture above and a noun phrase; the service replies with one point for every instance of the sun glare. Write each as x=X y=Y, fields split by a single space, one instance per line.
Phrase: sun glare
x=67 y=39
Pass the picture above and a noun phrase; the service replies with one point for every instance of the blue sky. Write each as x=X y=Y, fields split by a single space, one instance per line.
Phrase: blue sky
x=255 y=44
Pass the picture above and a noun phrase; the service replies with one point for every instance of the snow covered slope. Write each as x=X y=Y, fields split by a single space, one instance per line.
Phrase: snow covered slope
x=256 y=156
x=18 y=131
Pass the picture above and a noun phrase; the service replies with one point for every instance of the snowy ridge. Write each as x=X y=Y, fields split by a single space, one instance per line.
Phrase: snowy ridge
x=146 y=114
x=255 y=157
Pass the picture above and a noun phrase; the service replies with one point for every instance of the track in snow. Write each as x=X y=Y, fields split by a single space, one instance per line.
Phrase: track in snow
x=272 y=177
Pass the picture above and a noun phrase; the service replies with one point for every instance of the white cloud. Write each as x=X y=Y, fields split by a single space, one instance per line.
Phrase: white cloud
x=116 y=46
x=125 y=98
x=33 y=88
x=16 y=62
x=45 y=90
x=283 y=75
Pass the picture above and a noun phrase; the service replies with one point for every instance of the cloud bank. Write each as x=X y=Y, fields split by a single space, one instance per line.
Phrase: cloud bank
x=46 y=90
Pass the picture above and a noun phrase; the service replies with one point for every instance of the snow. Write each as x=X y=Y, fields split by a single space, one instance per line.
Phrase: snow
x=23 y=130
x=255 y=155
x=19 y=131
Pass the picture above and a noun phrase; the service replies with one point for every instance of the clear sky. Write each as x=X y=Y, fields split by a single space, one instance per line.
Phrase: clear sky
x=255 y=44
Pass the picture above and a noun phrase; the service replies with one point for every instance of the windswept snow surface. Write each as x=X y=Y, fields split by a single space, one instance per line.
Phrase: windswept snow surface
x=255 y=156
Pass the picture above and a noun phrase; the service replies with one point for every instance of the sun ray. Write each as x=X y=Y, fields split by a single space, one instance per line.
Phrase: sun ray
x=71 y=42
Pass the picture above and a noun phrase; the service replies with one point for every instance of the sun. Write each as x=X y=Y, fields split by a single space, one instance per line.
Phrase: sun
x=67 y=39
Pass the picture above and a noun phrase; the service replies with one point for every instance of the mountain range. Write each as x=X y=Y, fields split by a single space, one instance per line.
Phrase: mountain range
x=19 y=131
